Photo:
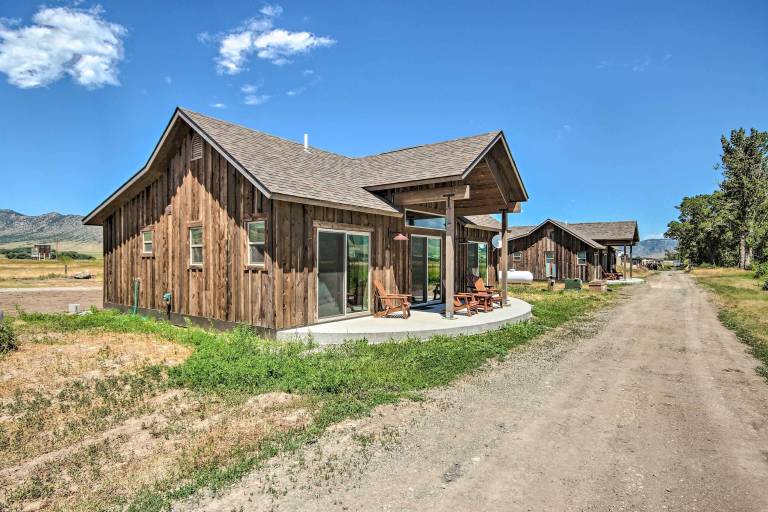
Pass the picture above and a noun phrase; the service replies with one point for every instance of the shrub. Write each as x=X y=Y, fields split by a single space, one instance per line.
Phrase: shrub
x=761 y=270
x=7 y=337
x=765 y=285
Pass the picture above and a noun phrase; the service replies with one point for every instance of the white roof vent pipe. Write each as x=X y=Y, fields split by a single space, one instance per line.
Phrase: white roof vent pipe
x=306 y=142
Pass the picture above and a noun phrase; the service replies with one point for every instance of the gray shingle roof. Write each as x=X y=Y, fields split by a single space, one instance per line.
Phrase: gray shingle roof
x=284 y=167
x=591 y=232
x=437 y=160
x=486 y=221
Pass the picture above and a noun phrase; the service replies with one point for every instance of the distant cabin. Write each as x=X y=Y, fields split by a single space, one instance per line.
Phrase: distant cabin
x=41 y=252
x=562 y=250
x=236 y=226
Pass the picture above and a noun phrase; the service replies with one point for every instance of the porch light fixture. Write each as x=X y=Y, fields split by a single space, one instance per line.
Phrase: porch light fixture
x=401 y=237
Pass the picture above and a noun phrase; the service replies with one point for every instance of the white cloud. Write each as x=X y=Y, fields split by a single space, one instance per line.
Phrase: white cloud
x=271 y=10
x=218 y=105
x=641 y=65
x=168 y=80
x=62 y=41
x=308 y=72
x=603 y=64
x=249 y=88
x=259 y=36
x=295 y=92
x=256 y=99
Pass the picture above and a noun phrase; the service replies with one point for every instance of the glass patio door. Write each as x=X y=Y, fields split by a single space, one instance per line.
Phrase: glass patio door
x=477 y=260
x=342 y=273
x=426 y=269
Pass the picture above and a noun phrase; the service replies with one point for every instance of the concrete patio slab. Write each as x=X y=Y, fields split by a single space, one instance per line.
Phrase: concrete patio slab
x=422 y=324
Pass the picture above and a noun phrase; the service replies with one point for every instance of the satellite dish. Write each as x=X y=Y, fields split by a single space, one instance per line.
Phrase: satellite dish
x=496 y=241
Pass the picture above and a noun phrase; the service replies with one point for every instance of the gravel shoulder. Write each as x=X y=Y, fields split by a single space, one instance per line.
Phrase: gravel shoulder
x=651 y=405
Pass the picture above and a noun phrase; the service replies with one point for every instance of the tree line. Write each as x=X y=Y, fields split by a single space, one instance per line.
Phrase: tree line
x=729 y=227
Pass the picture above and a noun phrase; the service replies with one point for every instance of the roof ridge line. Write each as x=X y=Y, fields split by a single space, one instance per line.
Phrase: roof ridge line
x=495 y=132
x=260 y=132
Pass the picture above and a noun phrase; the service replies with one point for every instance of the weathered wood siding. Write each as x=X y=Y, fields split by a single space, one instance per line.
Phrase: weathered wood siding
x=295 y=228
x=566 y=248
x=208 y=192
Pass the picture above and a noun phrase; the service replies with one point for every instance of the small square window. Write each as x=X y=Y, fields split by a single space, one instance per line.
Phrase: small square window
x=196 y=246
x=147 y=242
x=582 y=257
x=256 y=242
x=517 y=256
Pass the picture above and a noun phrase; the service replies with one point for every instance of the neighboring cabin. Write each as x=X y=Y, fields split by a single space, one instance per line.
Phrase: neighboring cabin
x=244 y=227
x=570 y=251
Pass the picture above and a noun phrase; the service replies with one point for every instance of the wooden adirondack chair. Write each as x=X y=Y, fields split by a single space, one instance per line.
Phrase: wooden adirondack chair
x=495 y=293
x=465 y=301
x=391 y=302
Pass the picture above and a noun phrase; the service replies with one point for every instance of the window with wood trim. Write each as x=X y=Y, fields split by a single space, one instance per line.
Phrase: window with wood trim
x=256 y=242
x=197 y=147
x=581 y=257
x=196 y=246
x=517 y=256
x=147 y=242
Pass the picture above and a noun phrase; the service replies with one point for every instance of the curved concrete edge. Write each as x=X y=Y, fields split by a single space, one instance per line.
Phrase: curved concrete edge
x=342 y=336
x=633 y=280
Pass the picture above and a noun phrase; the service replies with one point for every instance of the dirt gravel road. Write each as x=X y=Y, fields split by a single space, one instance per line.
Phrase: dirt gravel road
x=653 y=406
x=49 y=300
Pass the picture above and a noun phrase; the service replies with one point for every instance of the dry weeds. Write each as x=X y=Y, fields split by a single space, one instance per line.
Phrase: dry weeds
x=87 y=420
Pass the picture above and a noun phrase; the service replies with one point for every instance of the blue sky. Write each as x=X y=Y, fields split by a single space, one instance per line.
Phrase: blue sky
x=613 y=110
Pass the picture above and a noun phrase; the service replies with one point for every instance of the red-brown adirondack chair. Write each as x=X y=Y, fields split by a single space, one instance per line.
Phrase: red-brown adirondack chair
x=391 y=302
x=480 y=287
x=465 y=301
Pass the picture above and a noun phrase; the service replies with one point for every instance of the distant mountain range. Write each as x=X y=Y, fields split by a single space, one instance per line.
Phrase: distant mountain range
x=654 y=247
x=17 y=229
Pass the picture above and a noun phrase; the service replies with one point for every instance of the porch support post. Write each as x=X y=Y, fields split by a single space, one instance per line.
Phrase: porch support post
x=630 y=262
x=624 y=256
x=450 y=226
x=504 y=263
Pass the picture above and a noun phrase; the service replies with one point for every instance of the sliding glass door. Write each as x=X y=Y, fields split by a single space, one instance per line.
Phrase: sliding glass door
x=426 y=269
x=342 y=273
x=477 y=260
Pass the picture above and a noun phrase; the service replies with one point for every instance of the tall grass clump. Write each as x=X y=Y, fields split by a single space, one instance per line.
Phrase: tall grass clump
x=8 y=340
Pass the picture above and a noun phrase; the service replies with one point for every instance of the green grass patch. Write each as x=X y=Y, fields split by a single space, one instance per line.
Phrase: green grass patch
x=341 y=381
x=743 y=307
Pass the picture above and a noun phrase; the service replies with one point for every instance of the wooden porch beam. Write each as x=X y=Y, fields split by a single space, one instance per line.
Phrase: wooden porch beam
x=498 y=176
x=504 y=257
x=431 y=195
x=450 y=226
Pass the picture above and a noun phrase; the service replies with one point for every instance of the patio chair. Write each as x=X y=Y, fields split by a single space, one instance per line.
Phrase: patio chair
x=391 y=303
x=480 y=288
x=465 y=301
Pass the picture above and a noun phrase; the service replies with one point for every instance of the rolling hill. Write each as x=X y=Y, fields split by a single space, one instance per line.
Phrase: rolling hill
x=654 y=247
x=17 y=229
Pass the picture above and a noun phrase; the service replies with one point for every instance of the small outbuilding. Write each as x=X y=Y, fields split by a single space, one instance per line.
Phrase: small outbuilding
x=561 y=250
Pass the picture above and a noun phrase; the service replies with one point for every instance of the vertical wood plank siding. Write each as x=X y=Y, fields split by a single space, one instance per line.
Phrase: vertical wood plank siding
x=209 y=192
x=566 y=248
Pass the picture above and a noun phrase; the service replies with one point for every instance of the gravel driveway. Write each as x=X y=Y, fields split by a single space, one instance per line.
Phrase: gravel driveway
x=651 y=406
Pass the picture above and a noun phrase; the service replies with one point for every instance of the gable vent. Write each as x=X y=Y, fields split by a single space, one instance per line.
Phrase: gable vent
x=197 y=147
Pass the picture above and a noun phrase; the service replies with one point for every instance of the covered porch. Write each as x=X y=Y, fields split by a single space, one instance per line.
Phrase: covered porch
x=490 y=185
x=422 y=324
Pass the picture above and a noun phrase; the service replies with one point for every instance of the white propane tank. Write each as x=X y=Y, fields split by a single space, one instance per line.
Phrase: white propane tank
x=518 y=276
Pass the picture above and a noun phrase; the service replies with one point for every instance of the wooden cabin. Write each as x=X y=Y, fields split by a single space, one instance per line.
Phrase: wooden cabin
x=228 y=225
x=570 y=251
